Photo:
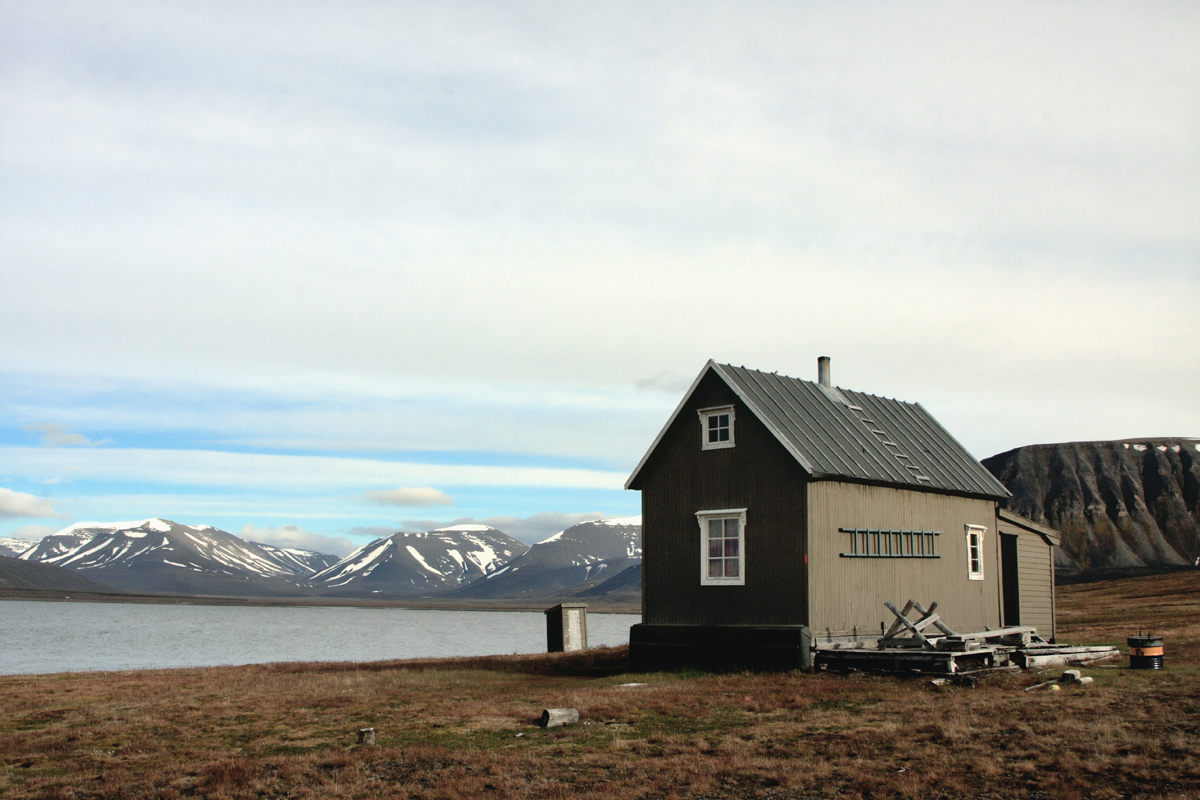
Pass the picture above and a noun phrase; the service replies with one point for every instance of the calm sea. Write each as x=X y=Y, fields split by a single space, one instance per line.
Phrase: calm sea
x=76 y=637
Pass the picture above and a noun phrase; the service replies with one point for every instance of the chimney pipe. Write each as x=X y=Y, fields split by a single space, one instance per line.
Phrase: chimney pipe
x=823 y=371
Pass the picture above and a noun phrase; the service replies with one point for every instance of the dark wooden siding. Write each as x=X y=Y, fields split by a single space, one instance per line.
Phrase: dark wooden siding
x=756 y=474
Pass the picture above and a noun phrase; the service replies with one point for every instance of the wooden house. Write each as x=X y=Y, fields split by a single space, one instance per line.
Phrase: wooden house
x=780 y=514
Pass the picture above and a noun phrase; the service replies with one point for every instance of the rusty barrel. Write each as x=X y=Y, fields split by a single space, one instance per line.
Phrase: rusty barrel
x=1145 y=652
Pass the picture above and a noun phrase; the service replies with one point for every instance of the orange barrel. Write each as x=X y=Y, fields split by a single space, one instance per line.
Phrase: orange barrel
x=1145 y=652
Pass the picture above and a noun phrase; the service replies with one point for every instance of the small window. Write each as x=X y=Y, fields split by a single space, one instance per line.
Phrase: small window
x=716 y=427
x=722 y=547
x=975 y=552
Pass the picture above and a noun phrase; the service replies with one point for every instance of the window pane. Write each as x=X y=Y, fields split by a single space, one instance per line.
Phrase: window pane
x=731 y=528
x=714 y=529
x=714 y=568
x=731 y=548
x=714 y=548
x=731 y=568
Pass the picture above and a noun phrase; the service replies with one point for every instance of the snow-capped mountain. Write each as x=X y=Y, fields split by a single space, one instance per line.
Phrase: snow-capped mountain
x=421 y=563
x=13 y=547
x=303 y=562
x=571 y=560
x=159 y=555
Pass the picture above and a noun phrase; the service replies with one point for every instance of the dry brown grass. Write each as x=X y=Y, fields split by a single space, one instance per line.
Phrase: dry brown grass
x=463 y=728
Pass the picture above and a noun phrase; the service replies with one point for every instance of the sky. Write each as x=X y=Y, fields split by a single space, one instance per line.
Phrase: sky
x=314 y=273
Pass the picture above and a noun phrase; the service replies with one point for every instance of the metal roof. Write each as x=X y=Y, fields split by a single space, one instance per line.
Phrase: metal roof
x=1051 y=536
x=840 y=434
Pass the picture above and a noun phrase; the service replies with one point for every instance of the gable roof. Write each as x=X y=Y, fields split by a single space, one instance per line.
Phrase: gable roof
x=840 y=434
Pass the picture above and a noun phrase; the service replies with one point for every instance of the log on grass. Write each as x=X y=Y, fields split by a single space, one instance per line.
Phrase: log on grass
x=553 y=717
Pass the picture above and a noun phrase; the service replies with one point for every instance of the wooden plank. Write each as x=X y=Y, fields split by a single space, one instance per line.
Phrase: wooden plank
x=998 y=633
x=903 y=620
x=925 y=613
x=900 y=615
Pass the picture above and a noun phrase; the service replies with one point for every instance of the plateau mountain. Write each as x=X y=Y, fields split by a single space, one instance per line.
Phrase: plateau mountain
x=1119 y=505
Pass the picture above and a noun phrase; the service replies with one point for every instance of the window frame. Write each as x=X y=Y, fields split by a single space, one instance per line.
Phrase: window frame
x=979 y=531
x=703 y=518
x=705 y=414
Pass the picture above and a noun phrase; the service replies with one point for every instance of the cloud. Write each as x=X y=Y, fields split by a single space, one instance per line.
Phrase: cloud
x=415 y=497
x=216 y=468
x=33 y=531
x=56 y=435
x=665 y=381
x=523 y=529
x=18 y=504
x=295 y=537
x=372 y=532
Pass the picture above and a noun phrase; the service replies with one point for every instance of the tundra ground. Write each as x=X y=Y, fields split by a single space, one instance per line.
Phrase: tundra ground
x=467 y=727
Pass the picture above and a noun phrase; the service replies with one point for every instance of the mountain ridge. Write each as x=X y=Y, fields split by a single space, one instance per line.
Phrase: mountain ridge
x=1120 y=505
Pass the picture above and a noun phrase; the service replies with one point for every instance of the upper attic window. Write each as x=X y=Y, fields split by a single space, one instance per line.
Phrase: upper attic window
x=716 y=427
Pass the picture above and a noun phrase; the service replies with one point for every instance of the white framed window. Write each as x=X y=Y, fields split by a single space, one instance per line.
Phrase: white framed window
x=716 y=427
x=722 y=547
x=975 y=552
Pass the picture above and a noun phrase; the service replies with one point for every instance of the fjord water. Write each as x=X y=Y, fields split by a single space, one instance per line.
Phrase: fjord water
x=42 y=637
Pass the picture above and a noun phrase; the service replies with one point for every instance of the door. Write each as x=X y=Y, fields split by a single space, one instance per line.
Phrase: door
x=1010 y=583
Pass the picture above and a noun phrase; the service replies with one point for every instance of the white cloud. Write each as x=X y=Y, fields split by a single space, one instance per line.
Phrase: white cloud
x=493 y=221
x=35 y=532
x=18 y=504
x=214 y=468
x=295 y=537
x=56 y=435
x=414 y=497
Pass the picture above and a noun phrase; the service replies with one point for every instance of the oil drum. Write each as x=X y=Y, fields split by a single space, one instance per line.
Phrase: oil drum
x=1145 y=652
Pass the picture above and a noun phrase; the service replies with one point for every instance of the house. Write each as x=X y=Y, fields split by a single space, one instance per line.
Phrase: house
x=779 y=514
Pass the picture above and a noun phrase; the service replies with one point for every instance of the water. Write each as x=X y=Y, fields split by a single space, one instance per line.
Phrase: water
x=37 y=637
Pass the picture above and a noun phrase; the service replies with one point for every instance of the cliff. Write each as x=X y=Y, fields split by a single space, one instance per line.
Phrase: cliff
x=1119 y=505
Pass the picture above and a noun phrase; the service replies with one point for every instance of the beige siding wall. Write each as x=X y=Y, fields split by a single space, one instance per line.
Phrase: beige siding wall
x=849 y=592
x=1035 y=572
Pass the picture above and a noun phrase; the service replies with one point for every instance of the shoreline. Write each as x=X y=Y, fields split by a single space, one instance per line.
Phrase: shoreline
x=418 y=603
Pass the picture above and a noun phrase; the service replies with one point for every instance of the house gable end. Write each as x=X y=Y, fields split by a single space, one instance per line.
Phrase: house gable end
x=693 y=403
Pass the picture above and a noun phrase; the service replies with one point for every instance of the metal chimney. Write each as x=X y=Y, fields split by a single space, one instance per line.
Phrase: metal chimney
x=823 y=372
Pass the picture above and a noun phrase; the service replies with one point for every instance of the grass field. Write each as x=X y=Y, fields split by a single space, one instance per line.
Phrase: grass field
x=467 y=727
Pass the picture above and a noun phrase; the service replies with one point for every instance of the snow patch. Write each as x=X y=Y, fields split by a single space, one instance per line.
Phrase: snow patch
x=158 y=525
x=1141 y=448
x=553 y=538
x=634 y=520
x=412 y=551
x=102 y=526
x=464 y=528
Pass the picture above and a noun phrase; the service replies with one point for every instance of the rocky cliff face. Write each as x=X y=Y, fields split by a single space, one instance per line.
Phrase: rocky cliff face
x=1118 y=505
